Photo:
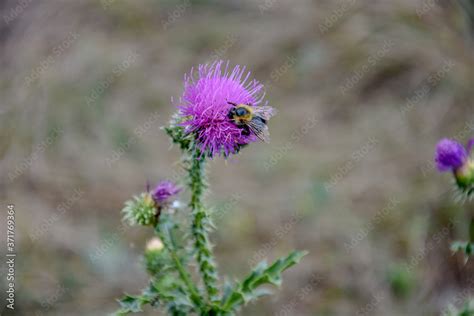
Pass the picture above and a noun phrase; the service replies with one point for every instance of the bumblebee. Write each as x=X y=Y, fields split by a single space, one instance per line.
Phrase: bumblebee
x=252 y=119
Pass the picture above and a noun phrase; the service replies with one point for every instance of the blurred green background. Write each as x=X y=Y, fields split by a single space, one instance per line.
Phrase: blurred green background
x=364 y=90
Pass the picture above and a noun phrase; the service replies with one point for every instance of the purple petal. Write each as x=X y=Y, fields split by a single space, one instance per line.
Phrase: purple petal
x=469 y=146
x=164 y=190
x=450 y=155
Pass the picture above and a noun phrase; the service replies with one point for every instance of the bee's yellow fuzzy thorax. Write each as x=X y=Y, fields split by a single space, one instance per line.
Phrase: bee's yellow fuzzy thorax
x=249 y=114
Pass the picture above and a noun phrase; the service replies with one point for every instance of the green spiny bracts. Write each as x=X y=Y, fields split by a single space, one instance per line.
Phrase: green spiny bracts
x=141 y=210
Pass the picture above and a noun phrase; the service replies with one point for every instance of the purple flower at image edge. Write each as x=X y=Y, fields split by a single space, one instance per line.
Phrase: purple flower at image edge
x=204 y=106
x=470 y=146
x=164 y=190
x=450 y=155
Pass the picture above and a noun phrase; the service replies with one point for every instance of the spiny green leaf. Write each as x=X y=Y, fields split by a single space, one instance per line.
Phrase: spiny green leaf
x=131 y=304
x=247 y=290
x=165 y=291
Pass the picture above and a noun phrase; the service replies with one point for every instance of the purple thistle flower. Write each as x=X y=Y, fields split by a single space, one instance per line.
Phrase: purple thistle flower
x=470 y=146
x=163 y=191
x=450 y=155
x=205 y=109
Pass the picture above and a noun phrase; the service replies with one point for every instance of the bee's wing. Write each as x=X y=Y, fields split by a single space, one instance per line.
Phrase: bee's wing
x=265 y=111
x=260 y=129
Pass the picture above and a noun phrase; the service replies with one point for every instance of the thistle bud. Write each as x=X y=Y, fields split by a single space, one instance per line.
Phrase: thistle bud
x=453 y=156
x=465 y=175
x=154 y=245
x=141 y=210
x=156 y=259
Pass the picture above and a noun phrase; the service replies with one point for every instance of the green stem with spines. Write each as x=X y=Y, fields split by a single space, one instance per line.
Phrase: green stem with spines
x=167 y=239
x=201 y=226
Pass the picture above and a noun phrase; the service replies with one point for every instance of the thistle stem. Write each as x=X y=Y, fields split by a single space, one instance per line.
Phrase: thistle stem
x=186 y=279
x=167 y=239
x=200 y=227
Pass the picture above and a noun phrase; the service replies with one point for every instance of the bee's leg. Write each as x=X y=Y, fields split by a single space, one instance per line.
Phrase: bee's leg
x=245 y=130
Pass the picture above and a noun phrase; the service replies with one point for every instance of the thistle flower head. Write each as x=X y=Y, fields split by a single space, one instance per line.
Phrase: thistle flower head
x=453 y=156
x=140 y=210
x=204 y=108
x=163 y=191
x=450 y=155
